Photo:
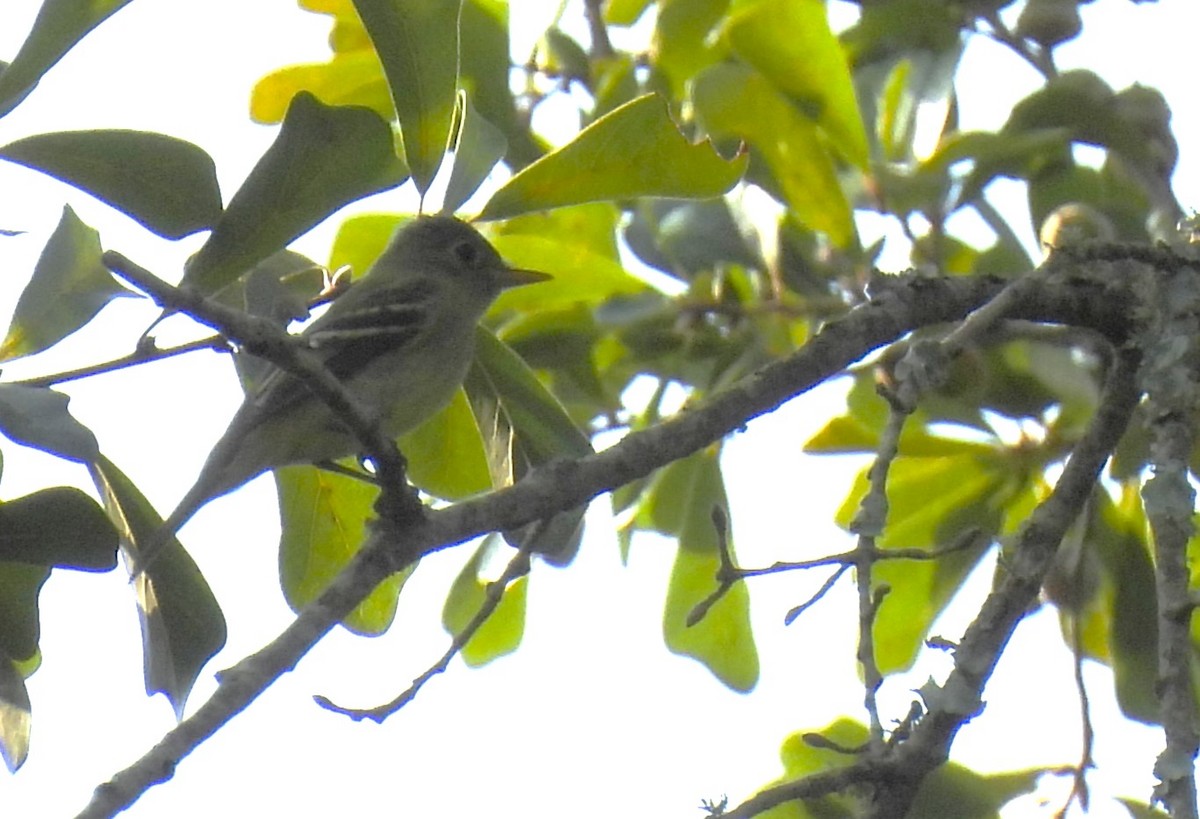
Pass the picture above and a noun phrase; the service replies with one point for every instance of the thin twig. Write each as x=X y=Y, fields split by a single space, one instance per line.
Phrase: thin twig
x=517 y=567
x=139 y=356
x=1041 y=59
x=796 y=611
x=602 y=48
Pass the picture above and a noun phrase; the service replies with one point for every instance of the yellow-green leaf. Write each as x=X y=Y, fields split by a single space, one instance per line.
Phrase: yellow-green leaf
x=501 y=633
x=445 y=454
x=323 y=516
x=16 y=714
x=723 y=640
x=417 y=42
x=791 y=44
x=735 y=101
x=349 y=78
x=932 y=502
x=633 y=151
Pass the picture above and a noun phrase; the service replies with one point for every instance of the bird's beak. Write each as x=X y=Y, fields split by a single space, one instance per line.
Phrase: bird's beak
x=516 y=276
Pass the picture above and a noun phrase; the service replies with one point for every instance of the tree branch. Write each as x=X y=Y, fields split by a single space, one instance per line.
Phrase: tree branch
x=901 y=304
x=264 y=338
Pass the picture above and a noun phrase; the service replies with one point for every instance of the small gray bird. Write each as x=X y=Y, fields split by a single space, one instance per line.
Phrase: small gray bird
x=400 y=340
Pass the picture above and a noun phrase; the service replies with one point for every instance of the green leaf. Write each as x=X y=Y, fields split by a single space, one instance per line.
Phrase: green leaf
x=1118 y=533
x=37 y=417
x=484 y=70
x=1140 y=810
x=446 y=454
x=634 y=151
x=624 y=12
x=734 y=101
x=60 y=24
x=59 y=526
x=417 y=42
x=182 y=624
x=20 y=585
x=810 y=752
x=16 y=715
x=932 y=503
x=323 y=158
x=68 y=288
x=682 y=503
x=349 y=78
x=590 y=228
x=478 y=146
x=323 y=517
x=858 y=430
x=543 y=429
x=791 y=44
x=953 y=790
x=580 y=274
x=689 y=238
x=1019 y=155
x=523 y=425
x=361 y=240
x=682 y=45
x=501 y=633
x=166 y=184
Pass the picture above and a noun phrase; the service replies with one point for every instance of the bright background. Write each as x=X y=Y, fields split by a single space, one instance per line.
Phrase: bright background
x=592 y=717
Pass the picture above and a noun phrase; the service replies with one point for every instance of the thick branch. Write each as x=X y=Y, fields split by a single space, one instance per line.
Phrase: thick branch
x=986 y=638
x=903 y=303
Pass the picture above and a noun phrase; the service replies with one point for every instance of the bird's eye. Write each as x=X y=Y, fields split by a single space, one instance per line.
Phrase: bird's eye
x=467 y=253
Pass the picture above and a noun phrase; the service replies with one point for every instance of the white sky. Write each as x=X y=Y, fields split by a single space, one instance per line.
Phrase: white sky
x=592 y=717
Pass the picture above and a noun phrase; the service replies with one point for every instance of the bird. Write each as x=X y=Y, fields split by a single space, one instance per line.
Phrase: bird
x=400 y=340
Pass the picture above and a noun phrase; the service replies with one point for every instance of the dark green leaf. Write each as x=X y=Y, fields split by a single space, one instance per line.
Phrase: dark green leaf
x=20 y=585
x=523 y=425
x=38 y=417
x=323 y=158
x=60 y=526
x=1118 y=535
x=478 y=146
x=484 y=73
x=634 y=151
x=60 y=24
x=903 y=28
x=69 y=286
x=417 y=42
x=686 y=238
x=182 y=625
x=166 y=184
x=324 y=516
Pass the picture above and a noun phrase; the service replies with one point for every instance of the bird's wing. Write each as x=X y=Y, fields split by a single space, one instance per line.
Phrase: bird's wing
x=350 y=336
